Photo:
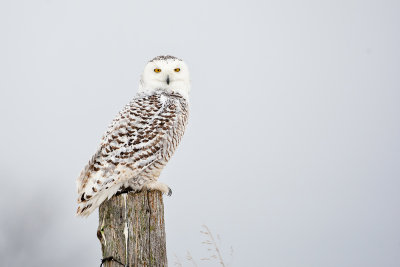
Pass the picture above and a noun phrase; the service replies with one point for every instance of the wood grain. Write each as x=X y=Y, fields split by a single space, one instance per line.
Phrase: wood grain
x=142 y=218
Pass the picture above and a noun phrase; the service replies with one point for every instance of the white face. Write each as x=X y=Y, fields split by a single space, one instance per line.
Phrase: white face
x=168 y=74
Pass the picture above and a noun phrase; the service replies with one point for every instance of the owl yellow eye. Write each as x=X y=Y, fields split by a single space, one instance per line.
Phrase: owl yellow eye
x=177 y=70
x=157 y=70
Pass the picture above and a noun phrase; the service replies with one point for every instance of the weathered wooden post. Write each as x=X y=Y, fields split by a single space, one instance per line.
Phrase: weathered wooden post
x=132 y=231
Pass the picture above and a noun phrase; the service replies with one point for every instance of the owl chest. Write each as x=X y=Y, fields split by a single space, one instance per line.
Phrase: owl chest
x=174 y=136
x=155 y=134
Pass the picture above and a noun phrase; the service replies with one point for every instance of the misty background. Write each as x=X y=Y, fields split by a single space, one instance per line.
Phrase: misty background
x=292 y=150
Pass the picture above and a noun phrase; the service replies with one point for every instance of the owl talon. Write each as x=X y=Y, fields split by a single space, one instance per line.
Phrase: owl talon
x=169 y=192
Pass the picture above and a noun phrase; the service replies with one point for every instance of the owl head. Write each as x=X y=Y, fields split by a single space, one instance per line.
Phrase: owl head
x=167 y=73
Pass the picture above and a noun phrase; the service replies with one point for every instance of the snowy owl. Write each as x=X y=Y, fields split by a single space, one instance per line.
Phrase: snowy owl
x=141 y=139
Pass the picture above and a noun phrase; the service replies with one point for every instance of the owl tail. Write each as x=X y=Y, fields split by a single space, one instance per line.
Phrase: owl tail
x=86 y=207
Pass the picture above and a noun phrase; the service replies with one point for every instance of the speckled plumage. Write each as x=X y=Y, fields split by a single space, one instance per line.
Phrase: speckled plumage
x=137 y=145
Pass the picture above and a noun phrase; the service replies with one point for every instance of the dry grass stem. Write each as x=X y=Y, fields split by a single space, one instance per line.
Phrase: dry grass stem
x=177 y=262
x=190 y=258
x=214 y=247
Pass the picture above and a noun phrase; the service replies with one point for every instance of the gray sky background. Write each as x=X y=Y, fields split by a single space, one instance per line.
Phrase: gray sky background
x=293 y=146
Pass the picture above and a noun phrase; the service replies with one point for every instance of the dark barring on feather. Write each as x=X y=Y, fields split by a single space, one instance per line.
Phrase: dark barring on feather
x=124 y=190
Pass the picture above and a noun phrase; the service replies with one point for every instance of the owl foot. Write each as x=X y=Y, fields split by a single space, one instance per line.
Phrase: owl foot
x=160 y=187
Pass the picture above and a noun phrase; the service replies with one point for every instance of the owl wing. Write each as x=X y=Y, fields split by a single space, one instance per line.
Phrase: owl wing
x=134 y=140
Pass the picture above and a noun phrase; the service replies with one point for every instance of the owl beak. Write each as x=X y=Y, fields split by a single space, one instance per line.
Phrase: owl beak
x=168 y=79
